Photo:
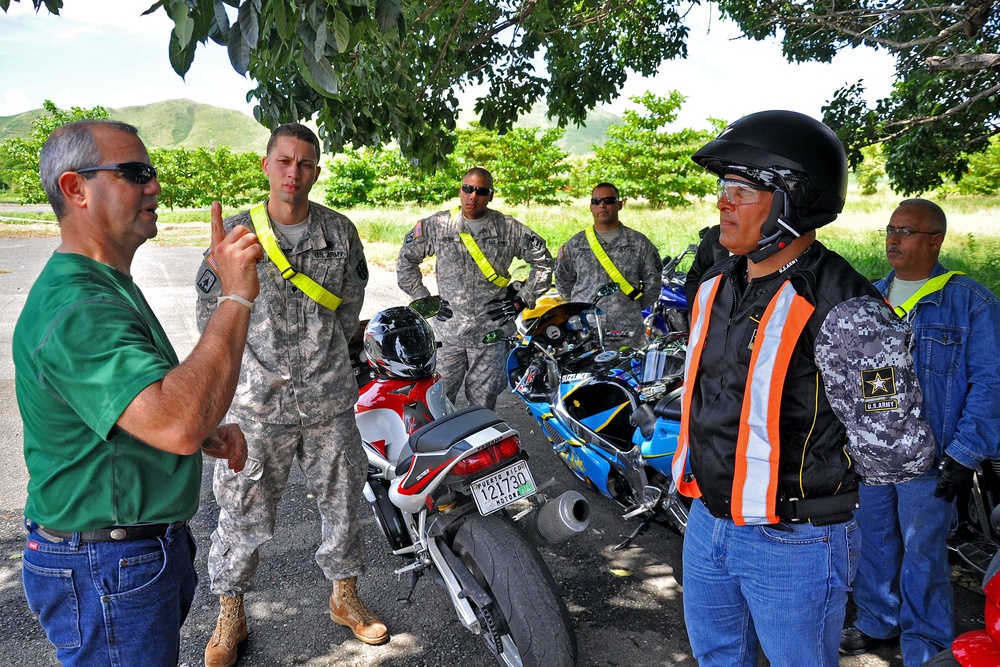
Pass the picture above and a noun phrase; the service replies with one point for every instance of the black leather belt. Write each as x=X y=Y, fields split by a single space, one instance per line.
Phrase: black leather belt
x=819 y=511
x=142 y=531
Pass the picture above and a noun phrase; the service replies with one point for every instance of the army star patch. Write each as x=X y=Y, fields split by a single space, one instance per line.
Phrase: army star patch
x=878 y=386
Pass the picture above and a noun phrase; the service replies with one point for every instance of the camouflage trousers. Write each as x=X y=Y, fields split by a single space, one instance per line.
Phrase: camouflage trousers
x=334 y=465
x=482 y=369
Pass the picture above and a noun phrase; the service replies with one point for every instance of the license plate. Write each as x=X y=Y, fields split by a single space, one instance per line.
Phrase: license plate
x=503 y=487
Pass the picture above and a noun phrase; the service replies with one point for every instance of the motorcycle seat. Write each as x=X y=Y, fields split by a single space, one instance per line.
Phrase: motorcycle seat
x=669 y=407
x=442 y=433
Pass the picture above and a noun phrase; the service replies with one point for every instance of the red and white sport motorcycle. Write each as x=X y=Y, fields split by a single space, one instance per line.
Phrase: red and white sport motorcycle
x=443 y=485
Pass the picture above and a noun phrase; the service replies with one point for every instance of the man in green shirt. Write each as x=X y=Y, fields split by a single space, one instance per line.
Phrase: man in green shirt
x=114 y=426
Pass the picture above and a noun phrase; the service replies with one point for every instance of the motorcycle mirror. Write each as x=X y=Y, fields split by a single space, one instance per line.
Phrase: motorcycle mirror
x=608 y=289
x=428 y=306
x=494 y=336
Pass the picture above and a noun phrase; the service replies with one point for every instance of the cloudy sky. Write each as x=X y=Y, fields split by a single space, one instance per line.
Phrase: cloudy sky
x=103 y=52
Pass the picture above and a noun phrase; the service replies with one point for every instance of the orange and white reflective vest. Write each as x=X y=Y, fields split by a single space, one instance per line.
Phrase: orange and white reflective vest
x=758 y=445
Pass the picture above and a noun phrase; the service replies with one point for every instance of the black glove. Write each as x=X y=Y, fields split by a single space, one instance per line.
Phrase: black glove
x=444 y=311
x=503 y=311
x=637 y=293
x=954 y=477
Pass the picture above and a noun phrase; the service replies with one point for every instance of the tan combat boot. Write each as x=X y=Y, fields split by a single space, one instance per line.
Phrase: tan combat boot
x=346 y=608
x=230 y=632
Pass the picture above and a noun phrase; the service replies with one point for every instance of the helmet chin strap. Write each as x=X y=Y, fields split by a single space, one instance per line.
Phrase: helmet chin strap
x=778 y=230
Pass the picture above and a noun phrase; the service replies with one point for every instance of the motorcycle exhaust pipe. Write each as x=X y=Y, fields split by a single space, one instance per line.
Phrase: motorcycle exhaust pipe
x=559 y=519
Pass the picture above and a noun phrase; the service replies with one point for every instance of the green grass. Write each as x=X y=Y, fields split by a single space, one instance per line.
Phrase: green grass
x=971 y=246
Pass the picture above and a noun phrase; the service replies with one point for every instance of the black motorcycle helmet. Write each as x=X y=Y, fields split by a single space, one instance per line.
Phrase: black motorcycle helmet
x=797 y=157
x=400 y=344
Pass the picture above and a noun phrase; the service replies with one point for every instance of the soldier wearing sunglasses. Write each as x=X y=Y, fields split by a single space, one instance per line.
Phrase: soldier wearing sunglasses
x=475 y=247
x=903 y=589
x=114 y=425
x=610 y=251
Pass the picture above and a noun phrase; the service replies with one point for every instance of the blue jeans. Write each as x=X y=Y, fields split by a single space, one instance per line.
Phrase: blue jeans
x=111 y=603
x=752 y=588
x=904 y=582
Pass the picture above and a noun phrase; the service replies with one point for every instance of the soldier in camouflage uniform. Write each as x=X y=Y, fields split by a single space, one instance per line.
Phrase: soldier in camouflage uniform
x=798 y=381
x=579 y=272
x=295 y=397
x=478 y=303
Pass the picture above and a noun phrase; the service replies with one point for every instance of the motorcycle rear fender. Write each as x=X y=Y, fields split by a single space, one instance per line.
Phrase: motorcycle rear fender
x=478 y=428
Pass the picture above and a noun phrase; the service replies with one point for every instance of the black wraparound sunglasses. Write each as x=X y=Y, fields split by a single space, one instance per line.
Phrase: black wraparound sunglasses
x=482 y=192
x=596 y=201
x=139 y=173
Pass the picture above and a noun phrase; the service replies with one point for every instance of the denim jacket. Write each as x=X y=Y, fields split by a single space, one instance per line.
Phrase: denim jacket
x=956 y=350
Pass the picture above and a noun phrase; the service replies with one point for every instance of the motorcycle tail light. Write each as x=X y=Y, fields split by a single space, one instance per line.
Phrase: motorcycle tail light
x=489 y=457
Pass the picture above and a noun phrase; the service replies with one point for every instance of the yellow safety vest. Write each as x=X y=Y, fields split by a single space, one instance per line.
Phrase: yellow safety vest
x=609 y=266
x=480 y=259
x=311 y=288
x=758 y=444
x=931 y=286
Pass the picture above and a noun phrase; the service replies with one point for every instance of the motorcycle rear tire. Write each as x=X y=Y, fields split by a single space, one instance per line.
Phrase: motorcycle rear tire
x=532 y=612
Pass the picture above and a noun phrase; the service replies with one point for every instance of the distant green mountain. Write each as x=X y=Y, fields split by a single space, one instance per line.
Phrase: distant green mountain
x=183 y=123
x=187 y=124
x=171 y=124
x=18 y=126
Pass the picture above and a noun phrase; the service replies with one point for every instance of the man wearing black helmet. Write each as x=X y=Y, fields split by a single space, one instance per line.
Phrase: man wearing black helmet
x=799 y=382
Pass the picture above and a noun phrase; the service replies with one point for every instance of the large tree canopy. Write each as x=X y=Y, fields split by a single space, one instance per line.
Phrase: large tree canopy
x=946 y=99
x=376 y=70
x=372 y=71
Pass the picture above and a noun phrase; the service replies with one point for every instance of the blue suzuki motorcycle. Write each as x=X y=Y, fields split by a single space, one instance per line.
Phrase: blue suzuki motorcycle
x=611 y=414
x=670 y=312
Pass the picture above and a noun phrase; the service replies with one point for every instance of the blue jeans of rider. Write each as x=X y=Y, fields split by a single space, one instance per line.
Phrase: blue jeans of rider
x=904 y=582
x=119 y=604
x=753 y=588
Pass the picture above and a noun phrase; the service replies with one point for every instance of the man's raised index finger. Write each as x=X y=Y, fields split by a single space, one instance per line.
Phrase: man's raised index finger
x=218 y=230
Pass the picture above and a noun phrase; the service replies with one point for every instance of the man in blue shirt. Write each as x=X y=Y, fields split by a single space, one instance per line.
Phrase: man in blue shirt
x=903 y=587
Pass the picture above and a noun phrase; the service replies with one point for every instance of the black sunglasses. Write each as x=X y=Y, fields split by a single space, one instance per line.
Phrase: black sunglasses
x=482 y=192
x=139 y=173
x=597 y=201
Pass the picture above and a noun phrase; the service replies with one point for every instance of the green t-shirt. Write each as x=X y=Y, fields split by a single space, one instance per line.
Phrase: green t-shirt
x=84 y=346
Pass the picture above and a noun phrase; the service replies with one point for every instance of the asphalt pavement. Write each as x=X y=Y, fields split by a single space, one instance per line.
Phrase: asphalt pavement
x=626 y=605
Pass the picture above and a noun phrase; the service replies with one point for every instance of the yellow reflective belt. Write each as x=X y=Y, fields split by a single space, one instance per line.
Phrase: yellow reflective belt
x=931 y=286
x=480 y=259
x=311 y=288
x=609 y=266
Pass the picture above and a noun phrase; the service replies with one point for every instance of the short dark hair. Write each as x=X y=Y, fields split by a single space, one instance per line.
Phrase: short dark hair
x=607 y=185
x=481 y=172
x=297 y=131
x=70 y=147
x=934 y=213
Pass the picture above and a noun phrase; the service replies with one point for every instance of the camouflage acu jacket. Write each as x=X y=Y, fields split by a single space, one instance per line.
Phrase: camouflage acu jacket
x=296 y=365
x=460 y=280
x=579 y=274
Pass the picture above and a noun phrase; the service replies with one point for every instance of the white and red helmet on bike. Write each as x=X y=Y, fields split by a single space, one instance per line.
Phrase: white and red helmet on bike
x=400 y=344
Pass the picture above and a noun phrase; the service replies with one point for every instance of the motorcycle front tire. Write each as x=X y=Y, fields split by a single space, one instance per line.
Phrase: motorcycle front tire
x=532 y=622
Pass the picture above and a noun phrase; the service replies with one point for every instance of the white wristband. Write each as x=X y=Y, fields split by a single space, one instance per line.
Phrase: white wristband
x=238 y=299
